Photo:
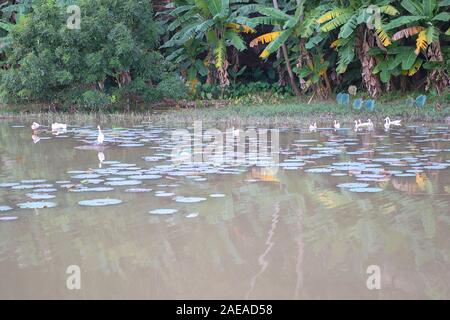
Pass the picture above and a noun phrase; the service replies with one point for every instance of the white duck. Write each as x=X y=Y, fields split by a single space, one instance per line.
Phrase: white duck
x=235 y=132
x=394 y=123
x=337 y=125
x=368 y=124
x=387 y=124
x=35 y=126
x=59 y=126
x=101 y=136
x=313 y=127
x=35 y=138
x=101 y=158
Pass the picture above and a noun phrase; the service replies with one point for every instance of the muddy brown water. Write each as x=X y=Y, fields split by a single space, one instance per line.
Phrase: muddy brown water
x=240 y=231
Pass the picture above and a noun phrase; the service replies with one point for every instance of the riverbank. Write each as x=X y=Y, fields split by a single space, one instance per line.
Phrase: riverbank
x=290 y=113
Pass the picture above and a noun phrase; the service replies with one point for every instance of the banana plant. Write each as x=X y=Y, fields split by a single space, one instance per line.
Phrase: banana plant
x=313 y=72
x=395 y=61
x=216 y=22
x=299 y=26
x=425 y=20
x=11 y=13
x=361 y=27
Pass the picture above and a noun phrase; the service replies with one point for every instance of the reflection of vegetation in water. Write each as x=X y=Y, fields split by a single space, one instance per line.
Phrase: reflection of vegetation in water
x=321 y=230
x=396 y=225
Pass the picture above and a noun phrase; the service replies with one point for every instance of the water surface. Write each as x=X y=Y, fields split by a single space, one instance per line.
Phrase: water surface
x=140 y=226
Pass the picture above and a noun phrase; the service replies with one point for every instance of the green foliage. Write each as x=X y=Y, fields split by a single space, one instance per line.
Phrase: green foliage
x=251 y=92
x=114 y=48
x=117 y=55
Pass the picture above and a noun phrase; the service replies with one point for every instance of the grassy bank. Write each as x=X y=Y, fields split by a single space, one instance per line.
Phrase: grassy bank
x=288 y=113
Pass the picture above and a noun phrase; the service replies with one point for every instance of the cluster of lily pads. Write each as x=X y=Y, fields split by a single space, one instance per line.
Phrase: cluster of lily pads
x=365 y=166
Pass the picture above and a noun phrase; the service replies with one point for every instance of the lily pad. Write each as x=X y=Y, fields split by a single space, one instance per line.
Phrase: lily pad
x=99 y=202
x=217 y=195
x=146 y=177
x=37 y=205
x=33 y=181
x=45 y=190
x=192 y=215
x=189 y=199
x=86 y=176
x=130 y=145
x=97 y=189
x=11 y=218
x=123 y=183
x=138 y=190
x=164 y=194
x=368 y=190
x=23 y=187
x=8 y=184
x=319 y=170
x=40 y=196
x=5 y=208
x=352 y=185
x=163 y=211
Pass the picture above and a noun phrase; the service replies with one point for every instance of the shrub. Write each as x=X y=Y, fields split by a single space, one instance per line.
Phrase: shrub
x=114 y=48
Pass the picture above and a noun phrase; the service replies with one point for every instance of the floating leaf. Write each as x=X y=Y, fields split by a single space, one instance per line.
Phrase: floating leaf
x=123 y=183
x=319 y=170
x=99 y=202
x=163 y=211
x=368 y=190
x=189 y=199
x=8 y=218
x=352 y=185
x=217 y=195
x=37 y=205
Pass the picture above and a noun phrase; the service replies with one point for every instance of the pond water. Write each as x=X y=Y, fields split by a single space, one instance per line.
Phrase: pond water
x=140 y=225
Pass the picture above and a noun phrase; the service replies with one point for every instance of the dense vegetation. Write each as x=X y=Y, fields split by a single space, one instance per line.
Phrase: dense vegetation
x=112 y=57
x=210 y=49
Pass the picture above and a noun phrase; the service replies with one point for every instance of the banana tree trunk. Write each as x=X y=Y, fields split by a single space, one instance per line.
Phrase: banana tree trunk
x=437 y=78
x=286 y=60
x=371 y=81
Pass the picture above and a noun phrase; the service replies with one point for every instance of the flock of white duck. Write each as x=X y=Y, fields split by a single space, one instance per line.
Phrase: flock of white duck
x=62 y=127
x=359 y=125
